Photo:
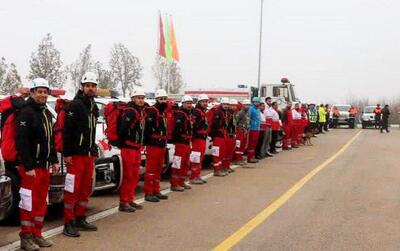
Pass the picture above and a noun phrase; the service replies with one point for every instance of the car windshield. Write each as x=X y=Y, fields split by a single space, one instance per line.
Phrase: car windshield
x=343 y=108
x=369 y=109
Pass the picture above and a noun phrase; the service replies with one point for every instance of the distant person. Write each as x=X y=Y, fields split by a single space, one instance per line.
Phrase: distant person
x=313 y=117
x=378 y=113
x=385 y=119
x=321 y=118
x=326 y=124
x=335 y=116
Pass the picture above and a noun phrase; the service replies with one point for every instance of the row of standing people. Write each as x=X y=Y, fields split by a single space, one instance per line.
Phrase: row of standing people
x=233 y=129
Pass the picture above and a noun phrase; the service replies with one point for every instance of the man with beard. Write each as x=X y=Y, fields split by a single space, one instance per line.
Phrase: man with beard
x=156 y=143
x=182 y=137
x=218 y=123
x=33 y=132
x=199 y=139
x=131 y=133
x=80 y=151
x=242 y=118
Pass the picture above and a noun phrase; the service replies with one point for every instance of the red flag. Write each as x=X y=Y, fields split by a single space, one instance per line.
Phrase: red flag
x=162 y=39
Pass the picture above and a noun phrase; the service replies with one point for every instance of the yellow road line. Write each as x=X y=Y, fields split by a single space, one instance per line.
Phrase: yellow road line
x=236 y=237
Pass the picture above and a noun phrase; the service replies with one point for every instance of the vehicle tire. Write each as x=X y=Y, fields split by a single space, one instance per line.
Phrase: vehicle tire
x=12 y=217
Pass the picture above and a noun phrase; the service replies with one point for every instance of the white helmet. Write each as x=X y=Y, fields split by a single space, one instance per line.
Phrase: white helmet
x=202 y=97
x=90 y=77
x=225 y=100
x=138 y=91
x=39 y=82
x=161 y=93
x=187 y=98
x=233 y=102
x=246 y=102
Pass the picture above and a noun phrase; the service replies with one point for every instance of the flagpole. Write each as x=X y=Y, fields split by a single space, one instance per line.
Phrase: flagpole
x=259 y=50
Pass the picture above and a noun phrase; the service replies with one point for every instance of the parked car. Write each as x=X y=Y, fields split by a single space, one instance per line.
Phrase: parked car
x=344 y=117
x=368 y=117
x=5 y=191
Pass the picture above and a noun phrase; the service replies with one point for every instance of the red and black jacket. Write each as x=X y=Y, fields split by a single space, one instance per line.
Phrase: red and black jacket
x=131 y=127
x=34 y=136
x=183 y=130
x=219 y=123
x=80 y=126
x=201 y=125
x=156 y=126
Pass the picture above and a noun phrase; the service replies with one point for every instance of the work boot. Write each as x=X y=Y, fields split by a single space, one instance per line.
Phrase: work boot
x=135 y=205
x=70 y=230
x=239 y=163
x=252 y=161
x=161 y=196
x=203 y=180
x=196 y=181
x=42 y=242
x=177 y=188
x=151 y=198
x=186 y=186
x=82 y=224
x=220 y=173
x=28 y=244
x=126 y=208
x=230 y=170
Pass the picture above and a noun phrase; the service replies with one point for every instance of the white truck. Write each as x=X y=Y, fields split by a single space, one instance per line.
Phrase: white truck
x=280 y=93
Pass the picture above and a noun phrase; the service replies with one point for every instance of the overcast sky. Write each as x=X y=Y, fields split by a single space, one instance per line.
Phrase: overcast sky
x=329 y=49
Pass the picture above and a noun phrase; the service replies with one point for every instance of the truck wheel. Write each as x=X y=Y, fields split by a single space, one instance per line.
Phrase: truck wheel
x=13 y=212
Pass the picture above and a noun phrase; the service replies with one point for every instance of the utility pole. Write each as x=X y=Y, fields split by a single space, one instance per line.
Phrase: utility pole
x=259 y=50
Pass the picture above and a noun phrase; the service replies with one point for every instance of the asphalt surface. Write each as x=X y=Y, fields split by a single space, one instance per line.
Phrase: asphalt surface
x=352 y=204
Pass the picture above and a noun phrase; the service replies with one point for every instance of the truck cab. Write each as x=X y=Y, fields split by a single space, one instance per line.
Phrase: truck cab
x=280 y=93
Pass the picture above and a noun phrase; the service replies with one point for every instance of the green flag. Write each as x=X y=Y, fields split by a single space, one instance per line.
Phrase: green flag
x=168 y=45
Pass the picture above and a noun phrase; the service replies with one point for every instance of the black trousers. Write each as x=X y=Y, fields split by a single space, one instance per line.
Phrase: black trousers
x=274 y=139
x=384 y=125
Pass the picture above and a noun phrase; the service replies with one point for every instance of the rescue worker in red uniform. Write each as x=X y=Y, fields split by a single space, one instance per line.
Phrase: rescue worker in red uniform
x=242 y=129
x=80 y=151
x=182 y=137
x=131 y=134
x=35 y=148
x=156 y=143
x=378 y=115
x=217 y=131
x=199 y=140
x=287 y=120
x=297 y=124
x=230 y=140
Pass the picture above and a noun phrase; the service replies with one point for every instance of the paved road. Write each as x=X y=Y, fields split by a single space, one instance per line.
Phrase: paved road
x=352 y=204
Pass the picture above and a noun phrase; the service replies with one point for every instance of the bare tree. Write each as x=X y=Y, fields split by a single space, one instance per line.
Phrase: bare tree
x=46 y=63
x=80 y=66
x=3 y=69
x=105 y=77
x=12 y=81
x=168 y=75
x=161 y=70
x=125 y=68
